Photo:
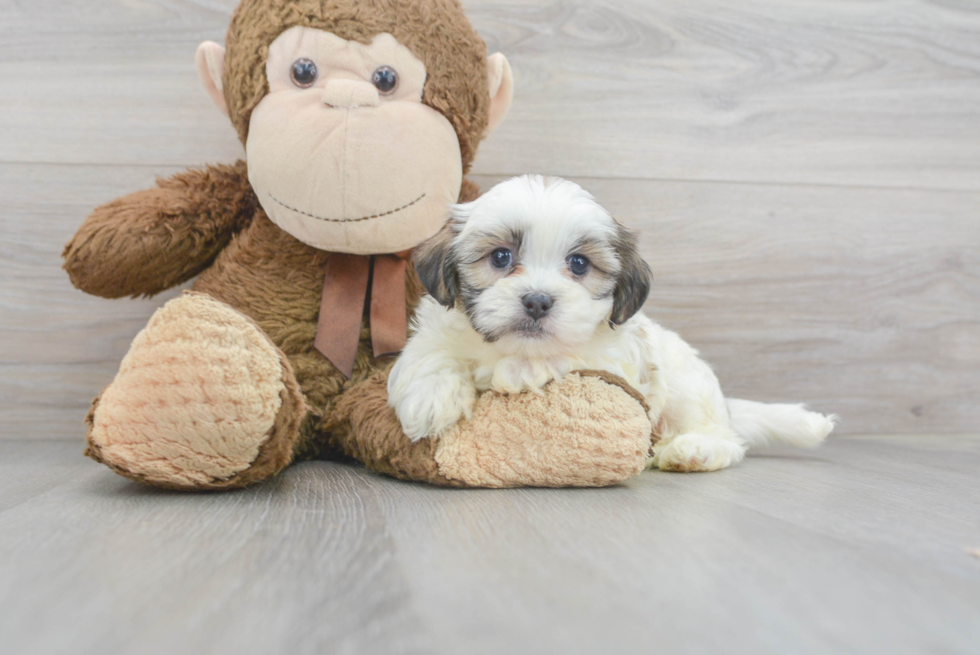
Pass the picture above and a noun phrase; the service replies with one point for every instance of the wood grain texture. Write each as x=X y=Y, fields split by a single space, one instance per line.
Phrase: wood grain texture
x=861 y=93
x=825 y=91
x=860 y=547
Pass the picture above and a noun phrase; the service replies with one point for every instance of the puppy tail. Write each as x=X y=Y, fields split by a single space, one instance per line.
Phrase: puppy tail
x=764 y=424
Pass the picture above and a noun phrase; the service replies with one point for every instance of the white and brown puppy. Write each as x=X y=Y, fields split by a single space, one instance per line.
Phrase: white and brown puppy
x=539 y=280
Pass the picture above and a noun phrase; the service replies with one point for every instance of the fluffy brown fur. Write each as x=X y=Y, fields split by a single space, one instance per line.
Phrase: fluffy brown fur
x=155 y=239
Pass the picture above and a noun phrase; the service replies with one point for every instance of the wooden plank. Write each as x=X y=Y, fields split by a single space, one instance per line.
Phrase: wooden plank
x=863 y=302
x=860 y=547
x=195 y=560
x=826 y=92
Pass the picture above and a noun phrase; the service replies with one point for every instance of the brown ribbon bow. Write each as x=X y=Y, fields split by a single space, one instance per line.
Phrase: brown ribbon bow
x=345 y=289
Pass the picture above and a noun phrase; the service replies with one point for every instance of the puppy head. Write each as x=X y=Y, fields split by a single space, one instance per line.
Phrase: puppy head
x=537 y=265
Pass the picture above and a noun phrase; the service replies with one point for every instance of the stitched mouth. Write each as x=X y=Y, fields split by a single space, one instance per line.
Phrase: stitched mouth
x=346 y=220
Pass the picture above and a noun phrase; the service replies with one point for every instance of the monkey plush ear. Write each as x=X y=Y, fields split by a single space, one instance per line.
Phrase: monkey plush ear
x=436 y=266
x=210 y=61
x=501 y=83
x=635 y=278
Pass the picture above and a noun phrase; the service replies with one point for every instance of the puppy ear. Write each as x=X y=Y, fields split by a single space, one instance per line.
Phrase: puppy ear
x=634 y=280
x=435 y=263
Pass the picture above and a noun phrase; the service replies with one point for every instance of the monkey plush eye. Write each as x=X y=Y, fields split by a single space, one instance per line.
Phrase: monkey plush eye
x=578 y=264
x=385 y=79
x=501 y=258
x=303 y=73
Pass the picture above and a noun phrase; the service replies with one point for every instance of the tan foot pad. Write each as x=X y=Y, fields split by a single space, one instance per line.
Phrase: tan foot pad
x=197 y=401
x=587 y=430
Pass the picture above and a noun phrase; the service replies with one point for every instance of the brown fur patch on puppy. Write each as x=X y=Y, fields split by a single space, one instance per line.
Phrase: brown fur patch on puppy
x=604 y=269
x=634 y=279
x=435 y=264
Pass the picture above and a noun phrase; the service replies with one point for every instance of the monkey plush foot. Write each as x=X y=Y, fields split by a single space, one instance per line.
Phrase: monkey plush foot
x=589 y=429
x=203 y=400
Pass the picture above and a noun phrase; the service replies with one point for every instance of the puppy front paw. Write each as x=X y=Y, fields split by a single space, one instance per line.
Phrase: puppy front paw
x=431 y=405
x=697 y=452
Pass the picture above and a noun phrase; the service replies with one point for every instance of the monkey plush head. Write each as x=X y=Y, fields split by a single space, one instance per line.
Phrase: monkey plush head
x=359 y=117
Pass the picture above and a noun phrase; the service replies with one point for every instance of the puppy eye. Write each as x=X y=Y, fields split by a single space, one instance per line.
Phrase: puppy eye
x=385 y=79
x=578 y=264
x=501 y=258
x=303 y=73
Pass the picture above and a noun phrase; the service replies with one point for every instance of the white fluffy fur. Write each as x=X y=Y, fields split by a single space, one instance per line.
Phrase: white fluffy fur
x=434 y=382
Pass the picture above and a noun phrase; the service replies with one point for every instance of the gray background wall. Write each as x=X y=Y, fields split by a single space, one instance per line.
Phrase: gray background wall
x=806 y=176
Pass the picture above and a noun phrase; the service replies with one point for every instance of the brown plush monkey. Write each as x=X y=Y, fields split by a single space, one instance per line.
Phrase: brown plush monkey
x=360 y=119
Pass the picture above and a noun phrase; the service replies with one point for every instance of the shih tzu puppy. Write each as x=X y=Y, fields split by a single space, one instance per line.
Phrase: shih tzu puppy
x=534 y=280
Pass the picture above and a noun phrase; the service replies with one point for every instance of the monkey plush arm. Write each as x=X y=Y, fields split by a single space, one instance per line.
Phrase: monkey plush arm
x=151 y=240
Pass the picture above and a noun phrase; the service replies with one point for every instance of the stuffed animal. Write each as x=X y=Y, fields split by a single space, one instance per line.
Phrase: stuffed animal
x=360 y=119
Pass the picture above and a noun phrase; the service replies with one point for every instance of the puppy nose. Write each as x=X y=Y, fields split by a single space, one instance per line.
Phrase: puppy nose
x=348 y=94
x=537 y=304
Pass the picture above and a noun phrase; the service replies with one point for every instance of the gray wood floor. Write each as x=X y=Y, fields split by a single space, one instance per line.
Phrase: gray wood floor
x=861 y=547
